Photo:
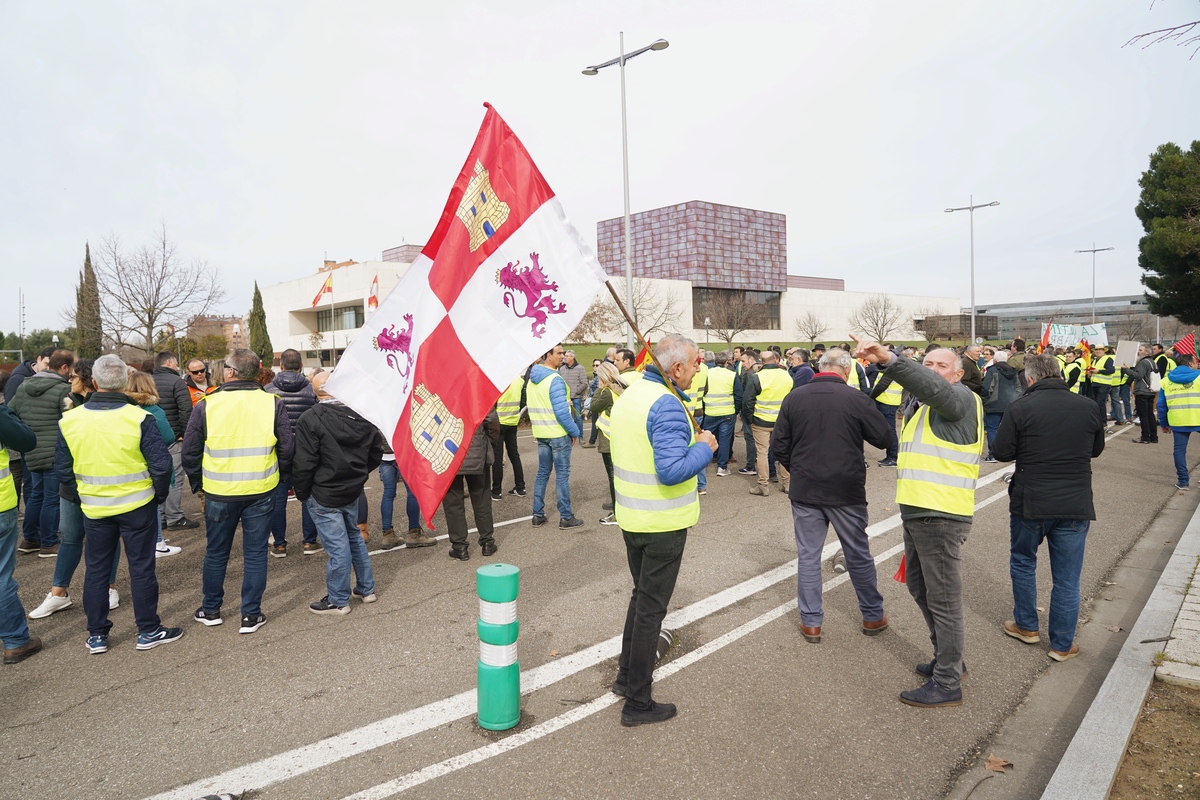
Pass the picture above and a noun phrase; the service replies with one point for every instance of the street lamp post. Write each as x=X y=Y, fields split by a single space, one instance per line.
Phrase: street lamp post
x=971 y=208
x=658 y=44
x=707 y=324
x=1093 y=251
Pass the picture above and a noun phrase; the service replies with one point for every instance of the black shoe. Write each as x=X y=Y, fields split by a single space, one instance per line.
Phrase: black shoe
x=252 y=622
x=926 y=669
x=606 y=507
x=182 y=524
x=620 y=689
x=570 y=522
x=538 y=521
x=208 y=618
x=488 y=548
x=658 y=712
x=497 y=496
x=460 y=552
x=931 y=695
x=887 y=462
x=515 y=492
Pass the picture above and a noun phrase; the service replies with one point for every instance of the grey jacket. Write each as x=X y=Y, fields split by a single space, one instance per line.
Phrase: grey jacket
x=954 y=414
x=576 y=378
x=1139 y=375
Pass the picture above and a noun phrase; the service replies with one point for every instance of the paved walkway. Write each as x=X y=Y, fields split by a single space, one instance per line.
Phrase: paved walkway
x=1181 y=659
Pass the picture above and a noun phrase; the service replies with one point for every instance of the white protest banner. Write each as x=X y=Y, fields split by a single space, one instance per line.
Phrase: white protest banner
x=1071 y=335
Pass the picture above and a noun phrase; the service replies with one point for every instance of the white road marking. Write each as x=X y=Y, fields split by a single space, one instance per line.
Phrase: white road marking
x=308 y=758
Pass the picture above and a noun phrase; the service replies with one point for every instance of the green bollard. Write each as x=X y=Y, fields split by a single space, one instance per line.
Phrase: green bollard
x=499 y=692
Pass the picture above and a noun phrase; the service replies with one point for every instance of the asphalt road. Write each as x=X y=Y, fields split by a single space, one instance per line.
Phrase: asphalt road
x=381 y=701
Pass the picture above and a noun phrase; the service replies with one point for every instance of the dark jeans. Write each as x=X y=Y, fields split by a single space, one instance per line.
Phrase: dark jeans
x=889 y=413
x=1125 y=389
x=1181 y=468
x=608 y=467
x=138 y=529
x=722 y=428
x=221 y=519
x=1146 y=413
x=654 y=564
x=991 y=424
x=508 y=439
x=933 y=558
x=279 y=517
x=41 y=508
x=811 y=524
x=1065 y=540
x=751 y=450
x=455 y=507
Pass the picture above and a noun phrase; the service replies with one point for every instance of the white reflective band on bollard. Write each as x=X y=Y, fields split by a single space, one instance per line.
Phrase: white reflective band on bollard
x=494 y=655
x=498 y=613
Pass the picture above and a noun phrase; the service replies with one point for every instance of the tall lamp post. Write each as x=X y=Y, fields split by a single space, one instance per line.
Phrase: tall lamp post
x=1093 y=251
x=658 y=44
x=971 y=208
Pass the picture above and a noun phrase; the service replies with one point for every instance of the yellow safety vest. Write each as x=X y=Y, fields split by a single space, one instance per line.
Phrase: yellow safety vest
x=110 y=470
x=239 y=448
x=1069 y=370
x=695 y=403
x=1183 y=404
x=630 y=376
x=508 y=407
x=541 y=410
x=1170 y=363
x=1106 y=380
x=776 y=383
x=8 y=489
x=718 y=400
x=891 y=395
x=645 y=504
x=935 y=474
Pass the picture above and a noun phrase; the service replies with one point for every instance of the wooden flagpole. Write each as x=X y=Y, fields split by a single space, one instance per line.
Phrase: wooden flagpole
x=650 y=352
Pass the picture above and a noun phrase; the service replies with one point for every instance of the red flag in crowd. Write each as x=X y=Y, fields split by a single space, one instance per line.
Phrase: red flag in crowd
x=326 y=288
x=503 y=278
x=643 y=358
x=1045 y=342
x=901 y=575
x=1186 y=345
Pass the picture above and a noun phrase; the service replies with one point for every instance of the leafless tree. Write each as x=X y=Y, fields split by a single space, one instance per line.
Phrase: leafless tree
x=729 y=315
x=1182 y=35
x=601 y=318
x=933 y=323
x=878 y=317
x=653 y=311
x=143 y=290
x=811 y=327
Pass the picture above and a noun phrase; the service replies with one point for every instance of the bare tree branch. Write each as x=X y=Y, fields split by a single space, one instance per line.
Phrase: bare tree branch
x=729 y=315
x=878 y=317
x=601 y=318
x=810 y=327
x=1178 y=33
x=653 y=311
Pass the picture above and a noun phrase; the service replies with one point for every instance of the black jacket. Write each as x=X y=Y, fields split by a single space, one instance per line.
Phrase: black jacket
x=15 y=435
x=819 y=438
x=16 y=378
x=1000 y=388
x=296 y=391
x=1053 y=434
x=336 y=450
x=480 y=455
x=173 y=398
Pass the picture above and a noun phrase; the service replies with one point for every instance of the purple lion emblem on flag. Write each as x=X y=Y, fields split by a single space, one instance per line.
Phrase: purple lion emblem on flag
x=536 y=288
x=396 y=344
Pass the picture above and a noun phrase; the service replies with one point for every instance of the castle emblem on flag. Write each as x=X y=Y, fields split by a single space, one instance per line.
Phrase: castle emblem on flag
x=397 y=345
x=436 y=433
x=536 y=287
x=480 y=210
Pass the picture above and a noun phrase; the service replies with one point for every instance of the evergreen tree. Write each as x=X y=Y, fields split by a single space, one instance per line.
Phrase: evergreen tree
x=1170 y=213
x=88 y=333
x=260 y=341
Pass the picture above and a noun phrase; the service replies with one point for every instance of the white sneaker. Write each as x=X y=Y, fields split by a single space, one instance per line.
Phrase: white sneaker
x=721 y=473
x=166 y=550
x=114 y=599
x=49 y=606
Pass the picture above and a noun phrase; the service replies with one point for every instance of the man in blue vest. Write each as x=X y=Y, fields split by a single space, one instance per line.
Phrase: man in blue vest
x=656 y=458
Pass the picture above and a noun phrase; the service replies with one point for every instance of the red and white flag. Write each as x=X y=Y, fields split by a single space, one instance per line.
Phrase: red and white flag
x=326 y=288
x=373 y=298
x=1186 y=345
x=504 y=277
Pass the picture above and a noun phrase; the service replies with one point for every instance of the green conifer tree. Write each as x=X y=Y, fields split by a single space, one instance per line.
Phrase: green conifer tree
x=260 y=340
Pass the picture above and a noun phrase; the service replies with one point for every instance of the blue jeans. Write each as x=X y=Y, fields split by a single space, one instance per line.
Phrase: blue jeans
x=221 y=519
x=889 y=413
x=137 y=529
x=811 y=525
x=70 y=549
x=722 y=428
x=338 y=529
x=1125 y=388
x=389 y=474
x=577 y=402
x=553 y=454
x=279 y=517
x=991 y=424
x=14 y=631
x=1065 y=539
x=702 y=477
x=1181 y=467
x=41 y=508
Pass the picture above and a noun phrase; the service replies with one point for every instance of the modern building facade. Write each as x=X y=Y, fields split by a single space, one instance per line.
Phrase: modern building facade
x=1026 y=319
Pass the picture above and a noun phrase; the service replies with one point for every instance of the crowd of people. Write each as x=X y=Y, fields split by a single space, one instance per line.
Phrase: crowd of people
x=100 y=452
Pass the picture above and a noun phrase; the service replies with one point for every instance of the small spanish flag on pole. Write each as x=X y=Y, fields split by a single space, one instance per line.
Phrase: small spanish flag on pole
x=643 y=358
x=326 y=288
x=1045 y=342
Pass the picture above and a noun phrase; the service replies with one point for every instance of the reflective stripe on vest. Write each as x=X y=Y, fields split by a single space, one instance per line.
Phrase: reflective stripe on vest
x=645 y=504
x=1106 y=380
x=541 y=409
x=508 y=407
x=8 y=489
x=935 y=474
x=718 y=400
x=696 y=394
x=1071 y=369
x=239 y=448
x=891 y=395
x=110 y=470
x=1183 y=404
x=776 y=384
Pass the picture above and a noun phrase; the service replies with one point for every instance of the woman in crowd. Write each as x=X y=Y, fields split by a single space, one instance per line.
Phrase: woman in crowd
x=610 y=387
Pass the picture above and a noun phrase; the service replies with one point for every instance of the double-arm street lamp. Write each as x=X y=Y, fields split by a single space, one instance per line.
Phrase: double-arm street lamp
x=659 y=44
x=1093 y=251
x=971 y=208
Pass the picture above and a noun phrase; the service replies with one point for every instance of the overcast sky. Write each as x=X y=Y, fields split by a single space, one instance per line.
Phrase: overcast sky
x=267 y=135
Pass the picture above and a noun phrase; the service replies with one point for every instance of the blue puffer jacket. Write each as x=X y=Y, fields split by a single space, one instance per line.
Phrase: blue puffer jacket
x=670 y=430
x=1177 y=375
x=558 y=398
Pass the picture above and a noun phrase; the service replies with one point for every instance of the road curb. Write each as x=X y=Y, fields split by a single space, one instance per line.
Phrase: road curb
x=1090 y=764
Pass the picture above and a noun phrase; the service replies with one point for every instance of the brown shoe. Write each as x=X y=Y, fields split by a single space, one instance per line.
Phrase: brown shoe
x=1028 y=637
x=390 y=540
x=364 y=530
x=760 y=490
x=18 y=654
x=874 y=627
x=812 y=635
x=417 y=538
x=1057 y=655
x=48 y=552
